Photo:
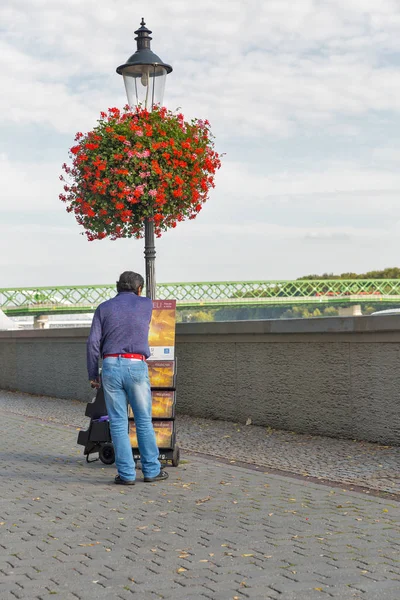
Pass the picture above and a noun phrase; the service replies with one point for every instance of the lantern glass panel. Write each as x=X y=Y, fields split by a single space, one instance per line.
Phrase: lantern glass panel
x=144 y=85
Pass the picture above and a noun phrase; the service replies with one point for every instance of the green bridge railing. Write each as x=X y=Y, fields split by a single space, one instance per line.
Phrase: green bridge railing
x=85 y=298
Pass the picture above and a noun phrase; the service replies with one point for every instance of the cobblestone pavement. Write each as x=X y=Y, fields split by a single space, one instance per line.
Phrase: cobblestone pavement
x=211 y=531
x=357 y=463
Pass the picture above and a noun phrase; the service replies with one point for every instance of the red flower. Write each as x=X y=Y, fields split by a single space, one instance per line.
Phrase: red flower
x=114 y=112
x=135 y=161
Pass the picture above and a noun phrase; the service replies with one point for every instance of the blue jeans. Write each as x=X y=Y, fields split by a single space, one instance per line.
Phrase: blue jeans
x=125 y=380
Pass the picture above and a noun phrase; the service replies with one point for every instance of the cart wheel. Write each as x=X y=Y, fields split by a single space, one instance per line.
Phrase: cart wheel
x=107 y=454
x=138 y=464
x=176 y=456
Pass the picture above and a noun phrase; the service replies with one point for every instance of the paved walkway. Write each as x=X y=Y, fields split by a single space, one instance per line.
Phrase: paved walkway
x=372 y=466
x=212 y=531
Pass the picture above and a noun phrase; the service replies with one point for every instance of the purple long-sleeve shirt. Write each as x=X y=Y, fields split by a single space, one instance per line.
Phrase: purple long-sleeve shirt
x=120 y=326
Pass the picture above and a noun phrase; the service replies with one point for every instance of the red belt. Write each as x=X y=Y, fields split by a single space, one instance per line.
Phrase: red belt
x=137 y=356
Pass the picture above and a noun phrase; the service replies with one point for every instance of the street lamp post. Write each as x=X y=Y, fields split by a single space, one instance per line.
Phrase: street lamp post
x=144 y=76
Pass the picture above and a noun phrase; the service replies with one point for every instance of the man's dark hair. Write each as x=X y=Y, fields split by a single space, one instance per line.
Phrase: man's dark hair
x=130 y=282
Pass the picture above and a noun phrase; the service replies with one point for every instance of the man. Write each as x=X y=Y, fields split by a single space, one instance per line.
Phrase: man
x=120 y=335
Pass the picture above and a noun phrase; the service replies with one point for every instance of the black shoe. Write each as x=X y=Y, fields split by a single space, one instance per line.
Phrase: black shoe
x=160 y=477
x=120 y=481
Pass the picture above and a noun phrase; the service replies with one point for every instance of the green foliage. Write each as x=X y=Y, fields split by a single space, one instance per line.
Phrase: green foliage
x=331 y=311
x=389 y=273
x=201 y=316
x=368 y=310
x=195 y=316
x=304 y=312
x=299 y=311
x=260 y=293
x=248 y=313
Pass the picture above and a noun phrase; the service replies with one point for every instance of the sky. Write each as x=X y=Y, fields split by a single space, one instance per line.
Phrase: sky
x=303 y=97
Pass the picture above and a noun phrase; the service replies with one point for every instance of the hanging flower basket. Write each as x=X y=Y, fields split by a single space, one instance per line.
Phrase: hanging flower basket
x=139 y=165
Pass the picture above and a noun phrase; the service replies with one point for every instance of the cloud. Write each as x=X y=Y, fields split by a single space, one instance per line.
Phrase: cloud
x=331 y=187
x=263 y=67
x=326 y=177
x=387 y=157
x=286 y=232
x=31 y=257
x=27 y=186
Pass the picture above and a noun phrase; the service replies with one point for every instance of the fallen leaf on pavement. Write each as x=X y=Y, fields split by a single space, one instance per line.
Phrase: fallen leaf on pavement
x=202 y=500
x=86 y=545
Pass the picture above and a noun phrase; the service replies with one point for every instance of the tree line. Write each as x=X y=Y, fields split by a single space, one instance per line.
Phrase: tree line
x=389 y=273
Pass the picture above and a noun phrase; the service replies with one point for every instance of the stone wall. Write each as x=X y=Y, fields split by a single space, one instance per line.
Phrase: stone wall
x=337 y=376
